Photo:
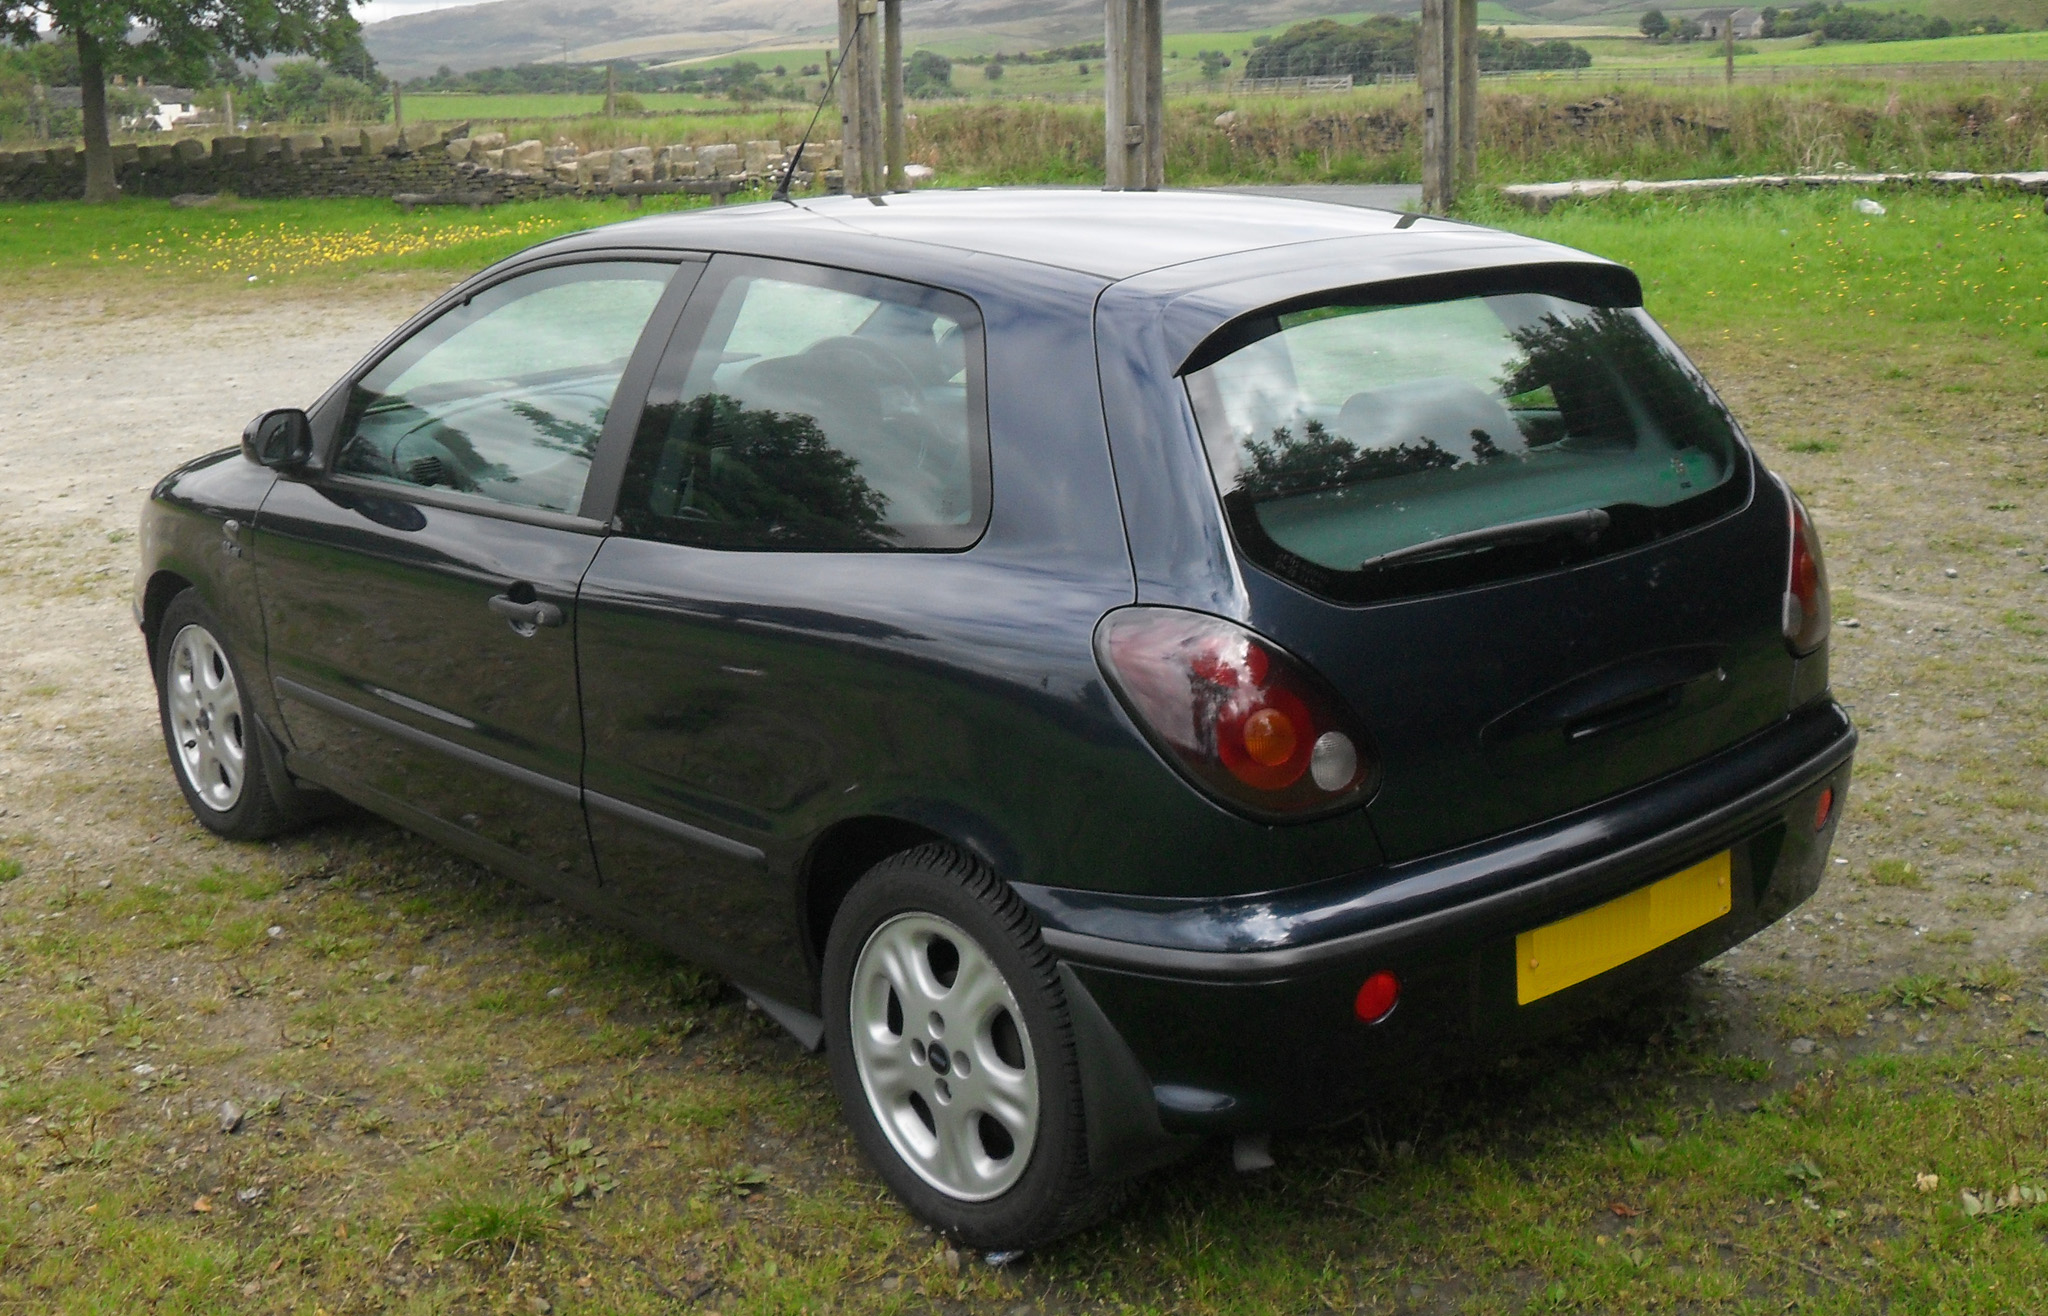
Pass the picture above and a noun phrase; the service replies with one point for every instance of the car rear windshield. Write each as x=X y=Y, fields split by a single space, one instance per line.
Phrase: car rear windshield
x=1365 y=451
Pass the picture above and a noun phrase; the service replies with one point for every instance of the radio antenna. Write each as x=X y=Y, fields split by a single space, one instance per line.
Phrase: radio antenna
x=782 y=188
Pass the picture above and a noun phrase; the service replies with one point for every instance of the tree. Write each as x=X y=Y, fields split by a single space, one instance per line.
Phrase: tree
x=306 y=92
x=176 y=38
x=1654 y=25
x=928 y=73
x=993 y=70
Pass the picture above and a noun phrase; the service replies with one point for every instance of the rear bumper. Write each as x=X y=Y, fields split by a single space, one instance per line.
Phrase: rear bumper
x=1239 y=1011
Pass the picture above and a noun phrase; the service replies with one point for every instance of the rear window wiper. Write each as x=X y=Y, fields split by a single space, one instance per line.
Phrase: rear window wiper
x=1585 y=527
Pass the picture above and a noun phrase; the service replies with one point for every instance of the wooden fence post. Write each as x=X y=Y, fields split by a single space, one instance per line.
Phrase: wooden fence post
x=1468 y=94
x=894 y=128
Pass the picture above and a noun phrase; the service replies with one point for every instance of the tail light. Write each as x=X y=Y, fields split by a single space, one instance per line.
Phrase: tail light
x=1244 y=720
x=1806 y=585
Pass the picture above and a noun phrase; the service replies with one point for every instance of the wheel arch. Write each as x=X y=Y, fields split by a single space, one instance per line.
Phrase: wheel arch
x=844 y=852
x=163 y=586
x=838 y=858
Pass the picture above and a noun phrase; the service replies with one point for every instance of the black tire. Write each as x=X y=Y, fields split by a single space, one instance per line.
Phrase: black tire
x=225 y=762
x=1053 y=1193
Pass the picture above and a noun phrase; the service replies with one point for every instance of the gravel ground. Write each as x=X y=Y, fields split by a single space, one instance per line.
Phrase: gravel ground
x=97 y=401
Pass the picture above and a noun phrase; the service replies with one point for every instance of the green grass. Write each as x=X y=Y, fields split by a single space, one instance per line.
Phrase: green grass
x=1617 y=52
x=272 y=239
x=423 y=107
x=2004 y=46
x=1896 y=872
x=1806 y=261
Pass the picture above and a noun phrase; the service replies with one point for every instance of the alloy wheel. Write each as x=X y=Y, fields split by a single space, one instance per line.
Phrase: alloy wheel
x=943 y=1056
x=208 y=729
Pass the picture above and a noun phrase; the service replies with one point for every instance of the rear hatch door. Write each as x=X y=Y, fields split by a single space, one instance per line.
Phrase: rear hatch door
x=1504 y=516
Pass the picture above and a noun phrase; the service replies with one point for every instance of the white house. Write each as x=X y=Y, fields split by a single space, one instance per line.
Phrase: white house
x=167 y=106
x=172 y=105
x=1714 y=24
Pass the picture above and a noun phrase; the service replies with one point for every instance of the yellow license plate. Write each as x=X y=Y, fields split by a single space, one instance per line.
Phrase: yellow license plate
x=1571 y=950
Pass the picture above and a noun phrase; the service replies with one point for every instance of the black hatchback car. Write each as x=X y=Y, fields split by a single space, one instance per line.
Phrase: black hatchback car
x=1111 y=670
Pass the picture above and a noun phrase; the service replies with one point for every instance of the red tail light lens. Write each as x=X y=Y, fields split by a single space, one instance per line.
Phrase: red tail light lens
x=1806 y=586
x=1246 y=721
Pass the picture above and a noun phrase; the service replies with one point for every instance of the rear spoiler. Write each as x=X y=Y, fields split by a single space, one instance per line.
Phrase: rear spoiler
x=1208 y=309
x=1590 y=285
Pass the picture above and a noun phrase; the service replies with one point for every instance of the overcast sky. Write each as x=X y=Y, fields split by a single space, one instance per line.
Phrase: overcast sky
x=379 y=10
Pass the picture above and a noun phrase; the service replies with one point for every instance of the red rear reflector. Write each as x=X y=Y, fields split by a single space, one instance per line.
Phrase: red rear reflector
x=1825 y=809
x=1377 y=997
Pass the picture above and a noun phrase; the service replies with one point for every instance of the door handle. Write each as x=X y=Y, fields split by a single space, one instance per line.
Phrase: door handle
x=525 y=618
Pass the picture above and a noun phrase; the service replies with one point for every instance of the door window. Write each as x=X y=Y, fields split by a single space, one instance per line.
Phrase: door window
x=505 y=395
x=814 y=409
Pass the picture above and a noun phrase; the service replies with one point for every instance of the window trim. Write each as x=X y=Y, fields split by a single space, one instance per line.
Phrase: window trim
x=621 y=423
x=695 y=324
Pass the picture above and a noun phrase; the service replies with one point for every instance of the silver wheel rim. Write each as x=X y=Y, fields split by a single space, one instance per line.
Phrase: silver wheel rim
x=944 y=1057
x=208 y=732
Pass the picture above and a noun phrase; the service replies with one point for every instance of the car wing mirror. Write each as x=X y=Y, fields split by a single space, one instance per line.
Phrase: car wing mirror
x=281 y=440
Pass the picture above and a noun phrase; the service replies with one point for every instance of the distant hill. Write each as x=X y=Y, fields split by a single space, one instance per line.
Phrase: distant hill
x=516 y=31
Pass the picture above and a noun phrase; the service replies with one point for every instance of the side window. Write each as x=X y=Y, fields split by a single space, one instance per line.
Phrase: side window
x=505 y=395
x=814 y=409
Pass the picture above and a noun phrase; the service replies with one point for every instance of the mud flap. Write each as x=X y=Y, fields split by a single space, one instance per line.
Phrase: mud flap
x=1124 y=1134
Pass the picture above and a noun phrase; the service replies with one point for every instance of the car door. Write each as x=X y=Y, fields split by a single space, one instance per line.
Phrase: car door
x=419 y=592
x=810 y=438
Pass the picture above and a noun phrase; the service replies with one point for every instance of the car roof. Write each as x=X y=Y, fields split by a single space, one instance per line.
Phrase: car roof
x=1111 y=235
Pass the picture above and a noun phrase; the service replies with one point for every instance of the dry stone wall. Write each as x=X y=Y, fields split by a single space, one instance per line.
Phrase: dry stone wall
x=415 y=166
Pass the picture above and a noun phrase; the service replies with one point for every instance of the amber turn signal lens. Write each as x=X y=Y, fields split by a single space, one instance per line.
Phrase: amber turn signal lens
x=1377 y=997
x=1825 y=809
x=1269 y=737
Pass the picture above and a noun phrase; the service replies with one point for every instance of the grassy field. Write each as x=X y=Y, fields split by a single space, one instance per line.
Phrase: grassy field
x=1612 y=53
x=257 y=240
x=453 y=1097
x=422 y=106
x=2004 y=46
x=1529 y=132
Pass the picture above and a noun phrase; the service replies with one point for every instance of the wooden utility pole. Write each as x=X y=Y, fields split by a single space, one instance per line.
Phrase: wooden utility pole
x=860 y=97
x=1134 y=96
x=849 y=98
x=1436 y=71
x=895 y=131
x=867 y=58
x=611 y=92
x=1468 y=92
x=1447 y=68
x=227 y=111
x=1728 y=47
x=397 y=106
